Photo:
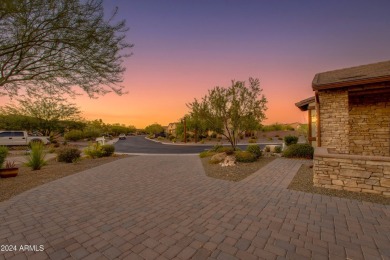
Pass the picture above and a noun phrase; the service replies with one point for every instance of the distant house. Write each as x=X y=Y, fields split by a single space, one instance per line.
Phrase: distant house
x=171 y=128
x=352 y=113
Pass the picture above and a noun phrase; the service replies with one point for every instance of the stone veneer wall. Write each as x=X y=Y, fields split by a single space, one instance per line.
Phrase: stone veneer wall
x=370 y=174
x=369 y=124
x=334 y=120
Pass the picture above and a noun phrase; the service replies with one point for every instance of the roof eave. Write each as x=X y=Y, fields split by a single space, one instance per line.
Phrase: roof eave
x=349 y=83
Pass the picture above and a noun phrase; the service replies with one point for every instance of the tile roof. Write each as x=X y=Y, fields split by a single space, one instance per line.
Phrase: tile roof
x=371 y=73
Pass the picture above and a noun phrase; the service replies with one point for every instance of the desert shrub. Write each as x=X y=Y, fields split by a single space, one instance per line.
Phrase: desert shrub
x=268 y=149
x=171 y=137
x=68 y=154
x=254 y=149
x=91 y=133
x=241 y=136
x=94 y=150
x=36 y=158
x=56 y=145
x=290 y=139
x=108 y=150
x=160 y=138
x=213 y=135
x=206 y=154
x=74 y=135
x=245 y=156
x=3 y=154
x=278 y=149
x=252 y=141
x=216 y=148
x=280 y=138
x=299 y=151
x=202 y=141
x=225 y=149
x=270 y=138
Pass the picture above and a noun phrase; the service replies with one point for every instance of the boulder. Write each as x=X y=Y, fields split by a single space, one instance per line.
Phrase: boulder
x=217 y=158
x=230 y=160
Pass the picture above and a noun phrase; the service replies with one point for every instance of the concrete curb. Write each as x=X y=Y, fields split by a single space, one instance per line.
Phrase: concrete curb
x=158 y=154
x=211 y=144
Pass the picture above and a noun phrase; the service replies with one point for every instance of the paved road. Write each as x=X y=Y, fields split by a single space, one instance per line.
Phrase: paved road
x=164 y=207
x=138 y=144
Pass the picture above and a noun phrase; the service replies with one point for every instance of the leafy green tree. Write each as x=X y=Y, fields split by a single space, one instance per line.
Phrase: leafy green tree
x=47 y=110
x=154 y=129
x=58 y=44
x=232 y=111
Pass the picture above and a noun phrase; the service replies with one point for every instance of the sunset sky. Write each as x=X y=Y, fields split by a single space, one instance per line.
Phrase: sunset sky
x=185 y=47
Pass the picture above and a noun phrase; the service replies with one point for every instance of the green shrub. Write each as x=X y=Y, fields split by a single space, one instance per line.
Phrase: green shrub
x=216 y=148
x=108 y=150
x=171 y=137
x=245 y=156
x=201 y=141
x=74 y=135
x=268 y=149
x=252 y=141
x=206 y=154
x=225 y=149
x=213 y=135
x=3 y=154
x=36 y=158
x=254 y=149
x=290 y=139
x=299 y=151
x=94 y=151
x=91 y=133
x=160 y=138
x=68 y=154
x=278 y=149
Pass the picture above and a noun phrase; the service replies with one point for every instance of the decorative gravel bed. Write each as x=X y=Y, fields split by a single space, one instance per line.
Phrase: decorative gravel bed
x=28 y=179
x=303 y=181
x=234 y=173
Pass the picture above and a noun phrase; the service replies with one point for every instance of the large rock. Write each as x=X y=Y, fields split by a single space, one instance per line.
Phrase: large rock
x=230 y=160
x=217 y=158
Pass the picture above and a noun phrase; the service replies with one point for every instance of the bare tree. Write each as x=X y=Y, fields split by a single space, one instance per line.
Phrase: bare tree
x=57 y=45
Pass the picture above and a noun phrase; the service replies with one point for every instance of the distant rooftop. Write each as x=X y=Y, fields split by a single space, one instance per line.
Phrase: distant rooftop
x=365 y=74
x=304 y=104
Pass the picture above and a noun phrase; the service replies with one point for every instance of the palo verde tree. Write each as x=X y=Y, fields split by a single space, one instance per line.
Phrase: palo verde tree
x=58 y=44
x=232 y=111
x=47 y=111
x=154 y=129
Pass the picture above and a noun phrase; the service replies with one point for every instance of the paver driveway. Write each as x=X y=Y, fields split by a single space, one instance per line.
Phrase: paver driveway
x=165 y=207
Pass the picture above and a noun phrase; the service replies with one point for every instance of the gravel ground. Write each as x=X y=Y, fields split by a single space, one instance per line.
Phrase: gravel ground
x=28 y=179
x=234 y=173
x=303 y=181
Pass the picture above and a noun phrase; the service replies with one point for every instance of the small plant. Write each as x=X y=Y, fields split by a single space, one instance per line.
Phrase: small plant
x=36 y=158
x=206 y=154
x=252 y=141
x=216 y=148
x=160 y=138
x=245 y=156
x=171 y=137
x=202 y=141
x=254 y=149
x=299 y=151
x=270 y=138
x=213 y=135
x=290 y=139
x=3 y=154
x=94 y=150
x=108 y=150
x=10 y=164
x=268 y=149
x=225 y=149
x=68 y=154
x=278 y=149
x=74 y=135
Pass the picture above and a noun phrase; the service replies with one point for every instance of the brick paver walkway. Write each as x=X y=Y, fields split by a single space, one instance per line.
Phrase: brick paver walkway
x=164 y=207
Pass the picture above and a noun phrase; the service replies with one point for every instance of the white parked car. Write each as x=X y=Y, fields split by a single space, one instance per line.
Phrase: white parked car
x=122 y=137
x=20 y=138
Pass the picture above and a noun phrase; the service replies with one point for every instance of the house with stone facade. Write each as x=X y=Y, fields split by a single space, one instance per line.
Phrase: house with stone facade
x=352 y=121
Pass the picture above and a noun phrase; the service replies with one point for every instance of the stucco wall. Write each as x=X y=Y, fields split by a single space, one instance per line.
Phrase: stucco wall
x=334 y=120
x=369 y=124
